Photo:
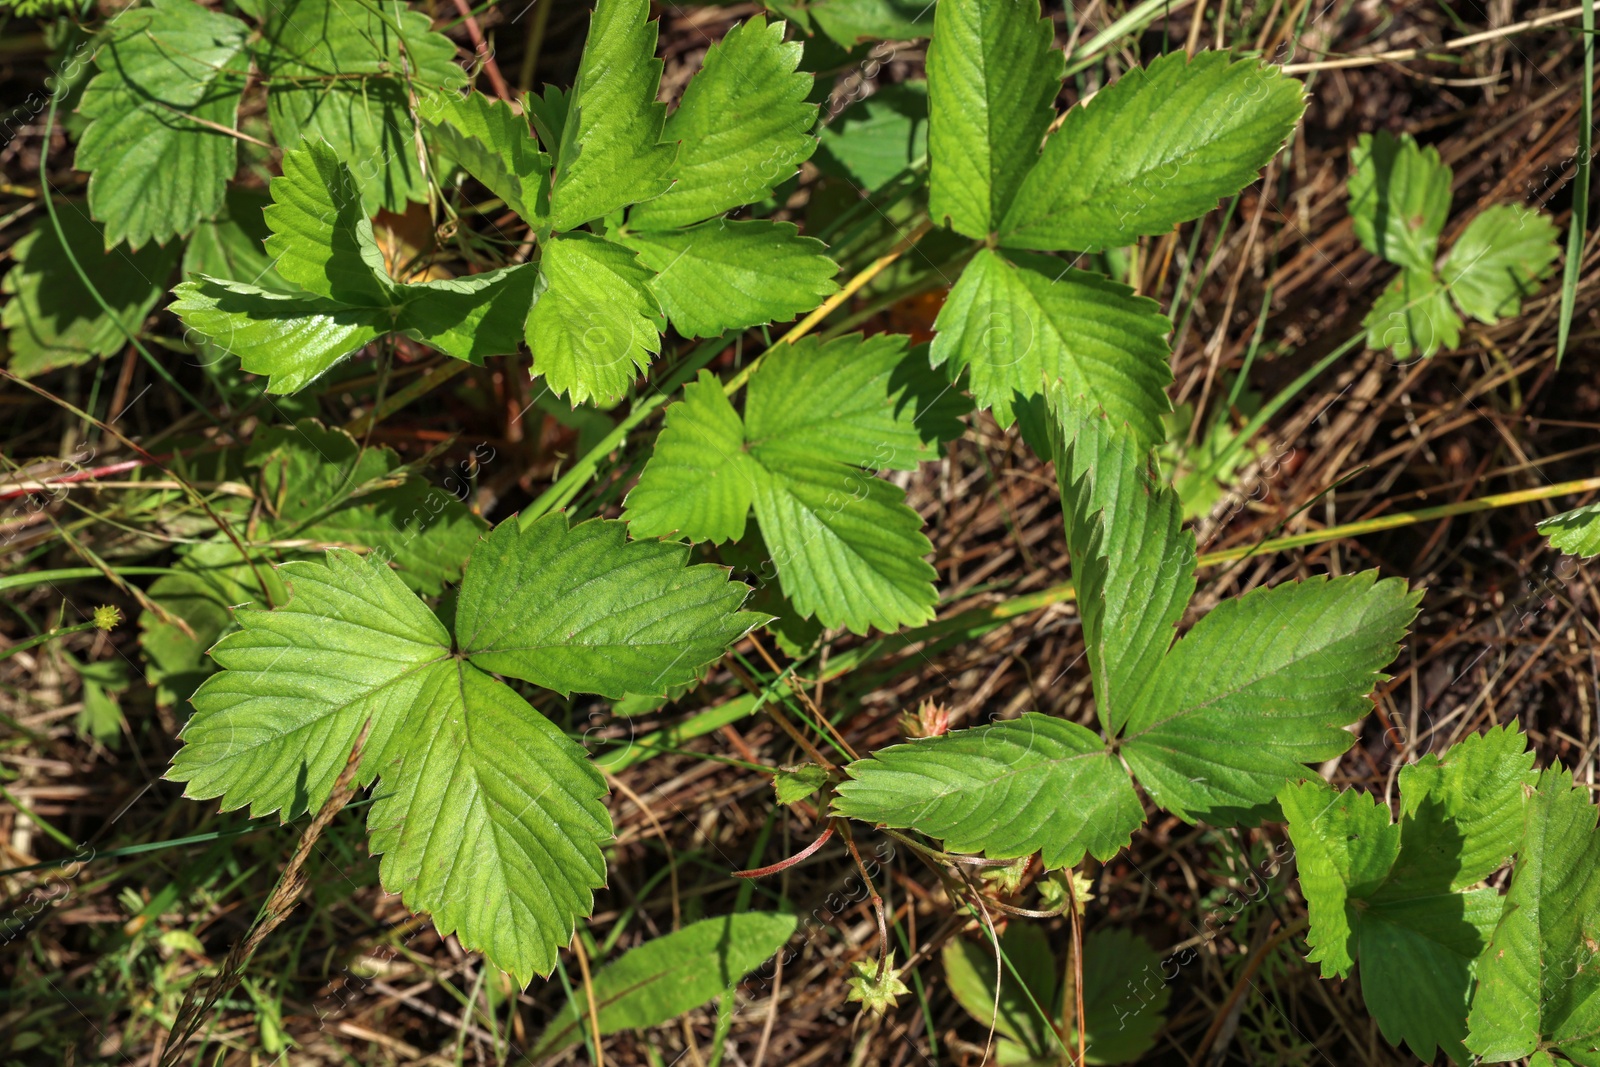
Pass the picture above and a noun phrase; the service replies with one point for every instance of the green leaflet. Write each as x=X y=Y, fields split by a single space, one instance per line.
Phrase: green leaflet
x=154 y=172
x=1263 y=685
x=792 y=785
x=1124 y=995
x=1500 y=258
x=1413 y=317
x=1018 y=325
x=675 y=973
x=1575 y=532
x=593 y=325
x=850 y=21
x=846 y=547
x=742 y=128
x=456 y=748
x=1537 y=980
x=875 y=139
x=316 y=488
x=1257 y=689
x=1160 y=146
x=493 y=143
x=1009 y=789
x=1397 y=897
x=342 y=71
x=610 y=154
x=1399 y=199
x=1131 y=558
x=1399 y=202
x=993 y=76
x=51 y=320
x=233 y=244
x=322 y=243
x=723 y=275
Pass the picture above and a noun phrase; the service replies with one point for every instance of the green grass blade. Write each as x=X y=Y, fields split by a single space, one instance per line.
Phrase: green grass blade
x=1580 y=189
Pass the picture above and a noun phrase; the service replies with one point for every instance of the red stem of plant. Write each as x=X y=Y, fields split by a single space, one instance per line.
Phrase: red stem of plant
x=783 y=865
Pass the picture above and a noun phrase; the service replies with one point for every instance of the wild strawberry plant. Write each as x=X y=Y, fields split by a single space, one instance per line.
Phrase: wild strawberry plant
x=1399 y=204
x=383 y=617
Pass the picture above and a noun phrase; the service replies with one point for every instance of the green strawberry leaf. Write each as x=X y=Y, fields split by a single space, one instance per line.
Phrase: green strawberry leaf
x=1160 y=146
x=742 y=128
x=169 y=76
x=993 y=76
x=322 y=243
x=1538 y=984
x=493 y=144
x=51 y=319
x=593 y=325
x=344 y=71
x=1500 y=258
x=1005 y=790
x=610 y=154
x=1413 y=316
x=1575 y=532
x=723 y=275
x=1018 y=325
x=1397 y=898
x=454 y=747
x=846 y=547
x=1399 y=199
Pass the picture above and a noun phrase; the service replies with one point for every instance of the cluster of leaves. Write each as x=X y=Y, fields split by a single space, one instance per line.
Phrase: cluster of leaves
x=1211 y=726
x=1399 y=203
x=1446 y=962
x=489 y=817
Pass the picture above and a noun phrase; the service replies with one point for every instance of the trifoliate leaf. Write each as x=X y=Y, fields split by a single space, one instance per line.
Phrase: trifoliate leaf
x=1262 y=686
x=1132 y=561
x=1538 y=979
x=488 y=816
x=51 y=319
x=673 y=974
x=493 y=143
x=232 y=245
x=850 y=21
x=723 y=275
x=322 y=242
x=993 y=76
x=610 y=153
x=1399 y=199
x=154 y=171
x=1413 y=316
x=593 y=326
x=1006 y=790
x=581 y=609
x=1500 y=258
x=1160 y=146
x=875 y=139
x=742 y=128
x=793 y=784
x=876 y=988
x=1575 y=532
x=343 y=71
x=1018 y=325
x=1397 y=898
x=846 y=547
